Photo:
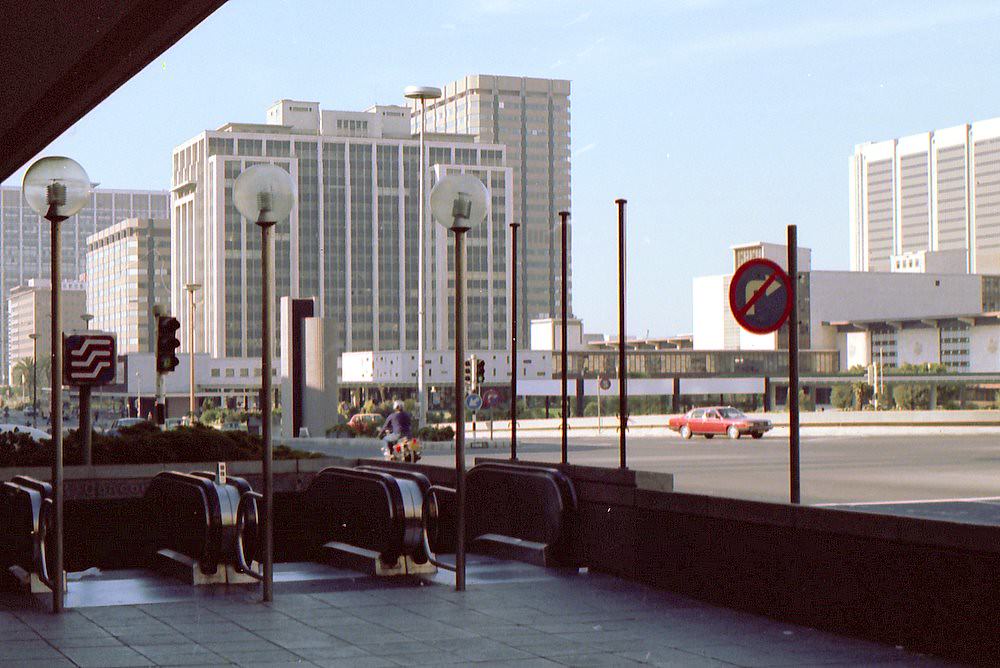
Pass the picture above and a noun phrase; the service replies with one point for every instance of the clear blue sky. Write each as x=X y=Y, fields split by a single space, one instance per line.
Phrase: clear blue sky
x=720 y=122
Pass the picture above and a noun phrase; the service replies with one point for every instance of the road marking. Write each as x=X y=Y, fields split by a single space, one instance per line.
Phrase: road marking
x=896 y=503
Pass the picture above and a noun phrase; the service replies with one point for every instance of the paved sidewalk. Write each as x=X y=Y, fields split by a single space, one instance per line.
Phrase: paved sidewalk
x=511 y=615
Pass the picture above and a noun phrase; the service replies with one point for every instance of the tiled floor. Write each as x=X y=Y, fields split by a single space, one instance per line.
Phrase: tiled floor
x=511 y=615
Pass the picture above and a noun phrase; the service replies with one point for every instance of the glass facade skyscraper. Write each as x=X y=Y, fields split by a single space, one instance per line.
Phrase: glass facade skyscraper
x=351 y=239
x=530 y=118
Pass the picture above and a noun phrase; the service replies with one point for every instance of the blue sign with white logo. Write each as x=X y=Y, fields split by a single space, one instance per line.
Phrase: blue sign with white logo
x=473 y=402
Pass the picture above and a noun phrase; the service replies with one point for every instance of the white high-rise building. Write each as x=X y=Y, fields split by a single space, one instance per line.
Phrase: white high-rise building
x=24 y=238
x=351 y=239
x=928 y=202
x=128 y=273
x=531 y=118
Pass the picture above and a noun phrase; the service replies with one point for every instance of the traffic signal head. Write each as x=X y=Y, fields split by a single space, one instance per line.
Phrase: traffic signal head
x=480 y=371
x=467 y=372
x=167 y=343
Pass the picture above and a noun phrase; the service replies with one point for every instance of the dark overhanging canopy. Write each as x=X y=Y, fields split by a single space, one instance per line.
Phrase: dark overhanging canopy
x=61 y=58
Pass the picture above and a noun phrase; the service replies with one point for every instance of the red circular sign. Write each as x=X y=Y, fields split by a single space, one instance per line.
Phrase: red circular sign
x=760 y=296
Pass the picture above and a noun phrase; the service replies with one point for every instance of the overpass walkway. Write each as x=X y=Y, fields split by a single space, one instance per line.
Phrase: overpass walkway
x=512 y=614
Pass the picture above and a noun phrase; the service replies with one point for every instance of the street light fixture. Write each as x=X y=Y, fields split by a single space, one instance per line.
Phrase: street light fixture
x=459 y=203
x=422 y=93
x=56 y=188
x=191 y=288
x=264 y=194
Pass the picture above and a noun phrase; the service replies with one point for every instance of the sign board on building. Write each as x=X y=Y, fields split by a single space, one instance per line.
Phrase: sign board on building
x=89 y=358
x=760 y=296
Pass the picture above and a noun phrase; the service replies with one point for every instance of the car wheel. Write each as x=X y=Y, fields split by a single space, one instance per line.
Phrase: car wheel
x=758 y=435
x=733 y=432
x=685 y=432
x=709 y=435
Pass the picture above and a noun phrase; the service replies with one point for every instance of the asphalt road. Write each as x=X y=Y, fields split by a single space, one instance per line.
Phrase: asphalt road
x=835 y=469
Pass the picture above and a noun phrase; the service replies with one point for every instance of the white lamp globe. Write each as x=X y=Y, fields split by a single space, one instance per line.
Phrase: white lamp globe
x=263 y=194
x=458 y=202
x=56 y=187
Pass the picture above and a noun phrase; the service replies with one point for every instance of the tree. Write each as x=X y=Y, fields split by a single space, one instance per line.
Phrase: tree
x=910 y=396
x=843 y=397
x=862 y=394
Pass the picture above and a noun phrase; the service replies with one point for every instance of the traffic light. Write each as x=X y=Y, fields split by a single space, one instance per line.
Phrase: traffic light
x=167 y=343
x=480 y=372
x=468 y=374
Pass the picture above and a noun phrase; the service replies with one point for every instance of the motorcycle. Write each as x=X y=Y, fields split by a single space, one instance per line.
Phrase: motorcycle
x=406 y=449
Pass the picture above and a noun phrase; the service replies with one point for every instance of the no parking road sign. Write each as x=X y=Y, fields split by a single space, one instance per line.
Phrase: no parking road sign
x=760 y=296
x=89 y=359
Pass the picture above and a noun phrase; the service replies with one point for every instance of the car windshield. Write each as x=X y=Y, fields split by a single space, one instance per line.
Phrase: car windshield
x=731 y=413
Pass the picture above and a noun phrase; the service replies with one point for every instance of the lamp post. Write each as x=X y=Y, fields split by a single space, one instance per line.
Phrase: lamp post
x=34 y=379
x=191 y=288
x=56 y=188
x=458 y=203
x=564 y=220
x=86 y=427
x=422 y=93
x=263 y=193
x=513 y=340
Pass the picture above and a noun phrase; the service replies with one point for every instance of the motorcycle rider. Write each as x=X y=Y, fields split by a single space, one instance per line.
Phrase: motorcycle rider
x=396 y=426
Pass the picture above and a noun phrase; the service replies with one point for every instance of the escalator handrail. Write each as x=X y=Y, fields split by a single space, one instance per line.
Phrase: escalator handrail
x=431 y=510
x=241 y=521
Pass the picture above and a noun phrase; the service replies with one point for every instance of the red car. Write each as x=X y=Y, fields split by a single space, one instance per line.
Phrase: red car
x=718 y=420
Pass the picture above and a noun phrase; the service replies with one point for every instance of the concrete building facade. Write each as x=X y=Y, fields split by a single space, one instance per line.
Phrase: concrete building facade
x=928 y=201
x=29 y=311
x=352 y=237
x=128 y=272
x=24 y=238
x=531 y=118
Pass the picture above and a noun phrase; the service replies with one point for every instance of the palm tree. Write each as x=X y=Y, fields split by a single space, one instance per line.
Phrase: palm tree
x=22 y=373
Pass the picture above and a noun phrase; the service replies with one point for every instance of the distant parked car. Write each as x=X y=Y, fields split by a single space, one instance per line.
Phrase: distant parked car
x=234 y=426
x=36 y=434
x=172 y=423
x=122 y=423
x=714 y=420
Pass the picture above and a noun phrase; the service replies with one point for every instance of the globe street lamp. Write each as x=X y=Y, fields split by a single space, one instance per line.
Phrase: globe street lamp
x=34 y=379
x=459 y=203
x=263 y=193
x=191 y=288
x=56 y=188
x=422 y=93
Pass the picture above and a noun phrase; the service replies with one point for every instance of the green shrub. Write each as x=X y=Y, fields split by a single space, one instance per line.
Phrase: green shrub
x=445 y=433
x=339 y=431
x=843 y=397
x=144 y=444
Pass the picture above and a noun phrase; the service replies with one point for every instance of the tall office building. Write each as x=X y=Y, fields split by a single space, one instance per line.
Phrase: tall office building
x=928 y=202
x=352 y=237
x=531 y=118
x=24 y=237
x=128 y=272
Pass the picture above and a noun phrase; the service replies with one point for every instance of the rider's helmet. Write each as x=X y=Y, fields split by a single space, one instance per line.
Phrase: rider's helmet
x=397 y=405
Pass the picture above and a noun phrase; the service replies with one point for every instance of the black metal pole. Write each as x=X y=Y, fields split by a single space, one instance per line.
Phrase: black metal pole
x=267 y=294
x=460 y=407
x=793 y=367
x=564 y=356
x=86 y=426
x=513 y=341
x=34 y=380
x=622 y=362
x=55 y=411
